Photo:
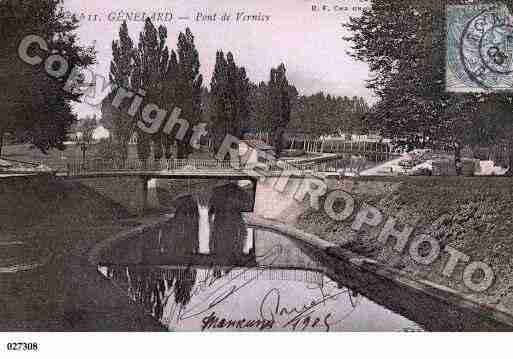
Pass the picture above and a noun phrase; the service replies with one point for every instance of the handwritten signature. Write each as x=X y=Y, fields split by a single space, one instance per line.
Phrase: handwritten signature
x=305 y=316
x=211 y=292
x=213 y=321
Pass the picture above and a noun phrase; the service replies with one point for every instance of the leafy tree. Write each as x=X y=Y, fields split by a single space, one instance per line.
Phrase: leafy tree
x=219 y=95
x=404 y=45
x=166 y=78
x=242 y=90
x=230 y=90
x=169 y=96
x=188 y=87
x=280 y=93
x=259 y=105
x=34 y=106
x=150 y=73
x=122 y=67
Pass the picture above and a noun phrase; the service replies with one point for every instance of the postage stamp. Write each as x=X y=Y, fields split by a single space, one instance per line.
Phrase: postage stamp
x=479 y=48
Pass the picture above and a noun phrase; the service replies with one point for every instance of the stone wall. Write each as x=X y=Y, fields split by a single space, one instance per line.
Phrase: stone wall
x=129 y=192
x=126 y=191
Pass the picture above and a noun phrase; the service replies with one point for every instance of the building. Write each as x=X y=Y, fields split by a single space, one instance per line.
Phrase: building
x=257 y=150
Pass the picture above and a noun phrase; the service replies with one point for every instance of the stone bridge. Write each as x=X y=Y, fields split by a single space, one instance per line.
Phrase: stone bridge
x=135 y=183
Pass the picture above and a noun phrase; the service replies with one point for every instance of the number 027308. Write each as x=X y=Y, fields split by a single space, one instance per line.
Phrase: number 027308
x=21 y=346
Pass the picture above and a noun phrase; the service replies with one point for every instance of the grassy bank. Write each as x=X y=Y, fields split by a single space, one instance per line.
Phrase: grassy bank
x=67 y=220
x=473 y=215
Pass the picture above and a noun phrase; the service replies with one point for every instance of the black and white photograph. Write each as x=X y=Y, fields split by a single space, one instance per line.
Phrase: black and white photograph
x=278 y=167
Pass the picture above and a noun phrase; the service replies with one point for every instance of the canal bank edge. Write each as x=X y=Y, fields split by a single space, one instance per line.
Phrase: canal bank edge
x=399 y=277
x=335 y=253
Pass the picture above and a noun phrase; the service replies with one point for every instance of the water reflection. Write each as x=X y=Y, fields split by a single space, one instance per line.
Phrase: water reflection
x=251 y=299
x=206 y=270
x=229 y=230
x=179 y=237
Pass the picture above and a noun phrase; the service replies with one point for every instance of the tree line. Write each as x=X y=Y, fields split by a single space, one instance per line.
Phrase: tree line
x=317 y=114
x=36 y=109
x=167 y=78
x=172 y=79
x=231 y=105
x=321 y=114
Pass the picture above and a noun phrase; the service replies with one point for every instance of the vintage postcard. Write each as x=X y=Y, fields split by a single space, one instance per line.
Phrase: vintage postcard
x=255 y=166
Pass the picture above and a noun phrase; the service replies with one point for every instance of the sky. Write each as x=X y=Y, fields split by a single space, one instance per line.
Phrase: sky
x=308 y=42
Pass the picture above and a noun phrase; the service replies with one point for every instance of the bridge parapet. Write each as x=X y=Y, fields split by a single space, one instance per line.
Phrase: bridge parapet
x=330 y=163
x=136 y=165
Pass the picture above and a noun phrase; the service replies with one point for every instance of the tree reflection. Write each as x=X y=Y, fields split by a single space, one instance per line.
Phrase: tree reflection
x=179 y=237
x=229 y=230
x=185 y=280
x=177 y=242
x=152 y=287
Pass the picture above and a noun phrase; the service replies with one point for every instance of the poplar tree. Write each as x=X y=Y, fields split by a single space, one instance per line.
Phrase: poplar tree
x=169 y=98
x=188 y=88
x=219 y=94
x=230 y=90
x=122 y=67
x=280 y=100
x=150 y=71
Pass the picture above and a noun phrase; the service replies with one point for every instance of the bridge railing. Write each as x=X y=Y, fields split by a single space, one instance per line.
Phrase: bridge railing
x=102 y=165
x=97 y=165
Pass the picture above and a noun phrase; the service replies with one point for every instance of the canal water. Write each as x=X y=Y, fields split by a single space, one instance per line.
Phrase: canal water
x=205 y=269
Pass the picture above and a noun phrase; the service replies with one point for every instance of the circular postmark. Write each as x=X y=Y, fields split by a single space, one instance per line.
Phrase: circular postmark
x=496 y=49
x=486 y=50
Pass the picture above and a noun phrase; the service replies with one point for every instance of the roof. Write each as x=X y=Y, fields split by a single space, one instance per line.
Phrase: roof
x=258 y=144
